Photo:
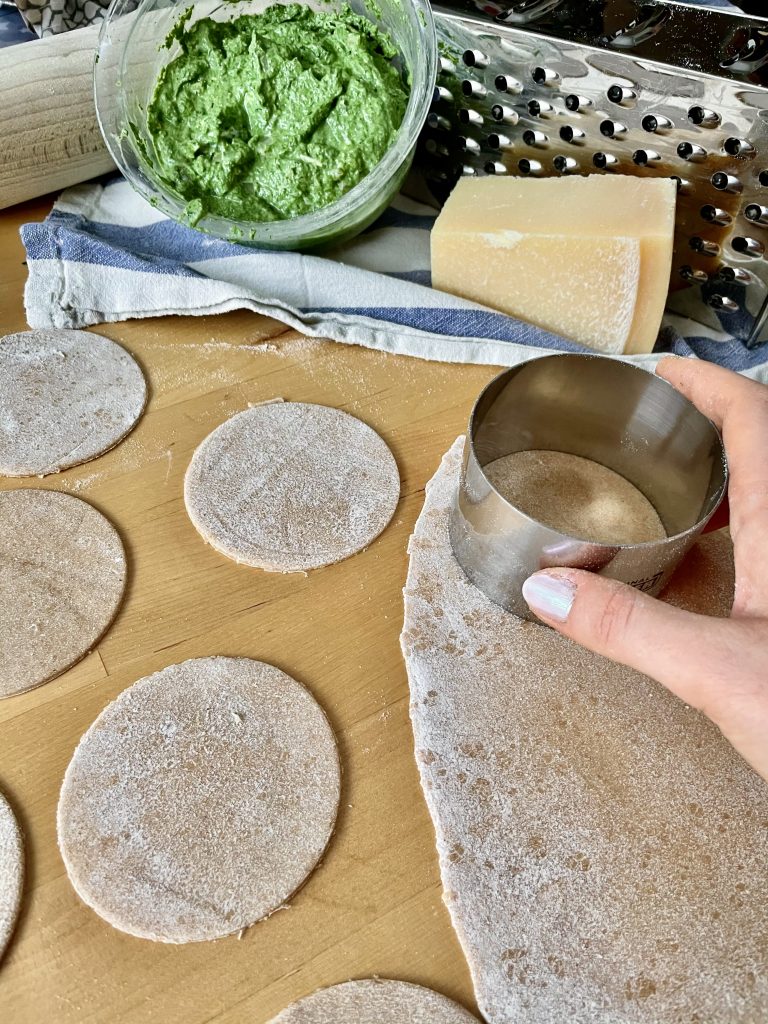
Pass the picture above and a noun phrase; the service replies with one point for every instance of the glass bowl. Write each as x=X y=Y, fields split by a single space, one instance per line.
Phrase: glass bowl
x=131 y=54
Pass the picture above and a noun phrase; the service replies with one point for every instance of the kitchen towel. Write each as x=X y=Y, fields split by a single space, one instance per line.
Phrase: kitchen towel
x=104 y=254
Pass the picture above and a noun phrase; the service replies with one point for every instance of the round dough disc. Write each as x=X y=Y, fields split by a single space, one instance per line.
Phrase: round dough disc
x=373 y=1001
x=199 y=800
x=65 y=397
x=11 y=872
x=289 y=486
x=62 y=572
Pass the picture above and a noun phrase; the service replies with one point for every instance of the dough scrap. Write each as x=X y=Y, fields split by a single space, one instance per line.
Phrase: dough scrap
x=200 y=800
x=602 y=847
x=65 y=397
x=374 y=1001
x=576 y=496
x=62 y=572
x=290 y=486
x=11 y=872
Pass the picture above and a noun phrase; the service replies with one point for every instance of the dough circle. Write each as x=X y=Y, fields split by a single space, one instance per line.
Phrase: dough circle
x=374 y=1001
x=200 y=800
x=11 y=872
x=289 y=486
x=65 y=398
x=62 y=572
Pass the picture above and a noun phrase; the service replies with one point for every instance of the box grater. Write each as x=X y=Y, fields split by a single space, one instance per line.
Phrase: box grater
x=552 y=87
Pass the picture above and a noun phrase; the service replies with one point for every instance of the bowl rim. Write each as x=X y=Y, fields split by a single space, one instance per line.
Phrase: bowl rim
x=309 y=225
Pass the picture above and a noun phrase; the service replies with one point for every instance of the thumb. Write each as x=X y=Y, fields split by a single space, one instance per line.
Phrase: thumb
x=679 y=649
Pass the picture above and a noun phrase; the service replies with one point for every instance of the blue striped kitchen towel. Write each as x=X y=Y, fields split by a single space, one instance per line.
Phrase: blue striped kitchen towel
x=104 y=254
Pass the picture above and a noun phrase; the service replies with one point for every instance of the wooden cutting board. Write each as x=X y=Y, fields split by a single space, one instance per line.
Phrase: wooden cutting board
x=374 y=906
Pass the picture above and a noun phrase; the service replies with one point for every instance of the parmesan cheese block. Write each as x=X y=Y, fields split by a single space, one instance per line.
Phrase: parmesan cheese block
x=588 y=258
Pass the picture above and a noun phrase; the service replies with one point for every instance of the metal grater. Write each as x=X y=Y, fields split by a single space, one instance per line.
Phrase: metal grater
x=551 y=87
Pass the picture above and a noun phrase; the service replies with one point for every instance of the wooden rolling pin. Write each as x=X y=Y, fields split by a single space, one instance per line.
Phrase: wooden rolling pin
x=49 y=135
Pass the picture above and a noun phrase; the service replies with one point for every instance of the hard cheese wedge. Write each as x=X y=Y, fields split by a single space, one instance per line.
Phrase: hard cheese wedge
x=588 y=258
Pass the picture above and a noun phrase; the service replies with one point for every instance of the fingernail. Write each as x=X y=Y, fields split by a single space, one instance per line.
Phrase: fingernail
x=550 y=597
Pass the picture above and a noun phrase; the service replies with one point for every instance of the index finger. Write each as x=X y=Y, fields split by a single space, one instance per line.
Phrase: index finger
x=739 y=408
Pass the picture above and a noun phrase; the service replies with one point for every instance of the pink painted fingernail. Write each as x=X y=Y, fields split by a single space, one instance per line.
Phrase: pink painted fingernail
x=550 y=597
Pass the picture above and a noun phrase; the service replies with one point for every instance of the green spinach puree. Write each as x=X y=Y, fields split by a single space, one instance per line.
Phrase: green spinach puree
x=274 y=115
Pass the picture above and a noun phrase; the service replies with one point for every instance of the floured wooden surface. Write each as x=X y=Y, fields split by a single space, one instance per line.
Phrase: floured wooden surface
x=65 y=398
x=374 y=1001
x=199 y=800
x=11 y=872
x=291 y=486
x=62 y=577
x=604 y=851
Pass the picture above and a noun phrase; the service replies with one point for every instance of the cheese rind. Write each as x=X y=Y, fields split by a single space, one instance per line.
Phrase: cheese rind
x=587 y=258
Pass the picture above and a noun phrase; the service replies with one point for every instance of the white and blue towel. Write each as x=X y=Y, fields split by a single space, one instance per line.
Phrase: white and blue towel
x=104 y=254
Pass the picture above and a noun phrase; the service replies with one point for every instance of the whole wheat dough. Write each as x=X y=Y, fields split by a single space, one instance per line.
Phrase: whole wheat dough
x=62 y=577
x=576 y=496
x=374 y=1001
x=603 y=849
x=290 y=486
x=65 y=398
x=11 y=872
x=199 y=800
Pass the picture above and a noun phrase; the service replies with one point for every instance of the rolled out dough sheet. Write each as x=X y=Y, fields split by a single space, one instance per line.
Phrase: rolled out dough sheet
x=603 y=849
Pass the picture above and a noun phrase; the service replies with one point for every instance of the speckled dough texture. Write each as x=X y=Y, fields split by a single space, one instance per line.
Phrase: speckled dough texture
x=603 y=850
x=62 y=573
x=65 y=397
x=11 y=872
x=374 y=1001
x=576 y=496
x=200 y=800
x=290 y=486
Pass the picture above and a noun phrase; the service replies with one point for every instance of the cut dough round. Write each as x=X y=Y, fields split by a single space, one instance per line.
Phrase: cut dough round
x=11 y=872
x=199 y=800
x=62 y=572
x=374 y=1001
x=289 y=486
x=65 y=398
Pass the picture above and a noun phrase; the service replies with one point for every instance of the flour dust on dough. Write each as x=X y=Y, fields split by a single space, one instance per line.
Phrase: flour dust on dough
x=200 y=800
x=65 y=398
x=62 y=575
x=576 y=496
x=602 y=847
x=11 y=872
x=290 y=486
x=374 y=1001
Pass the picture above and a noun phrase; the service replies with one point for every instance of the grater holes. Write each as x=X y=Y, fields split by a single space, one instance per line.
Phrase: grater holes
x=468 y=116
x=736 y=274
x=724 y=303
x=691 y=152
x=689 y=273
x=540 y=108
x=715 y=215
x=618 y=94
x=656 y=123
x=565 y=164
x=684 y=186
x=726 y=182
x=747 y=246
x=604 y=160
x=534 y=138
x=468 y=144
x=574 y=102
x=471 y=88
x=442 y=95
x=506 y=115
x=446 y=66
x=545 y=76
x=702 y=117
x=703 y=247
x=572 y=135
x=756 y=213
x=497 y=141
x=503 y=83
x=644 y=157
x=495 y=167
x=738 y=147
x=467 y=171
x=527 y=167
x=610 y=129
x=474 y=59
x=763 y=178
x=435 y=148
x=438 y=123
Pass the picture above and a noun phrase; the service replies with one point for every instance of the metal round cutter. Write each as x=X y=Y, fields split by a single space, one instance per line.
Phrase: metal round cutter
x=602 y=409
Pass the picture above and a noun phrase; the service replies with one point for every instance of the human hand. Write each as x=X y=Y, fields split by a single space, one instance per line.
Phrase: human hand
x=719 y=666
